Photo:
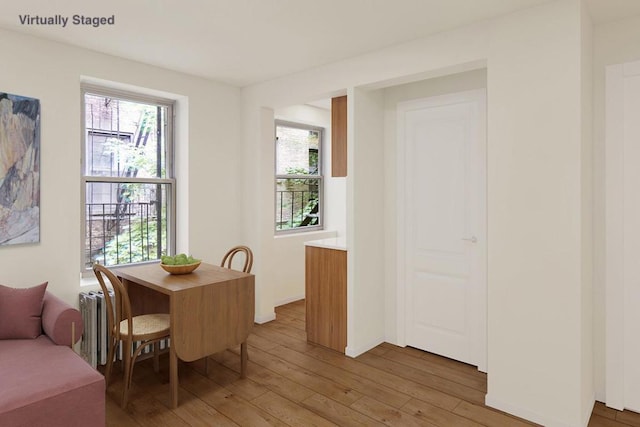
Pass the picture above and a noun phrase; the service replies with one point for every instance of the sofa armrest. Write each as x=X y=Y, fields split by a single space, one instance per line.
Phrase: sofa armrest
x=58 y=318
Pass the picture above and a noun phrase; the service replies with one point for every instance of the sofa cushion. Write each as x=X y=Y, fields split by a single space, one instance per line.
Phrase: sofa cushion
x=44 y=384
x=61 y=322
x=21 y=311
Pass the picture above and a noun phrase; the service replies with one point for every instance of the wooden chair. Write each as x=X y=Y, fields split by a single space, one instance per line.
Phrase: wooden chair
x=227 y=260
x=148 y=329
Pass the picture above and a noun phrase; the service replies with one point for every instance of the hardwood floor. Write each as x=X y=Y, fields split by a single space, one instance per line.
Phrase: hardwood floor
x=293 y=383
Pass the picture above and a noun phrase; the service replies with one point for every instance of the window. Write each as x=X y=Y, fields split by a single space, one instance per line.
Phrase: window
x=298 y=177
x=129 y=189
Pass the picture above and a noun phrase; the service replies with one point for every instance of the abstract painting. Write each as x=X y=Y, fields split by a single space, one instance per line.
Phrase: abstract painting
x=19 y=169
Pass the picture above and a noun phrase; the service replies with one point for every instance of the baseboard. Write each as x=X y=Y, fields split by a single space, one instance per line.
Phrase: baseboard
x=289 y=300
x=357 y=351
x=264 y=318
x=534 y=416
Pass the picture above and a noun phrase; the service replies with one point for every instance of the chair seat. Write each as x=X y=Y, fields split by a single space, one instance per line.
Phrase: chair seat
x=147 y=326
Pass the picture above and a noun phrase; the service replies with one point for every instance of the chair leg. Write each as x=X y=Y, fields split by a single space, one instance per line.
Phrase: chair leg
x=134 y=357
x=126 y=356
x=244 y=357
x=109 y=369
x=156 y=356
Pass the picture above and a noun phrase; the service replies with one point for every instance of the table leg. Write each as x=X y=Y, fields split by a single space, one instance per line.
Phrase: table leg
x=173 y=376
x=244 y=356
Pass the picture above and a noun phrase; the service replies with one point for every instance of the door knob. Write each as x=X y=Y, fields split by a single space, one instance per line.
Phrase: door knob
x=471 y=239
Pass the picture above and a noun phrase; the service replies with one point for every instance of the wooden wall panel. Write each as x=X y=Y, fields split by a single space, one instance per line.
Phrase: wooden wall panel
x=339 y=136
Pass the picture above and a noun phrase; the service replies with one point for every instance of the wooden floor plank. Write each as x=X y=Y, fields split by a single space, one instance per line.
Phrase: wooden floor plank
x=292 y=311
x=295 y=383
x=338 y=413
x=233 y=407
x=473 y=380
x=117 y=417
x=600 y=421
x=261 y=342
x=420 y=376
x=437 y=416
x=275 y=336
x=403 y=385
x=296 y=309
x=488 y=417
x=364 y=385
x=436 y=360
x=149 y=412
x=311 y=380
x=272 y=380
x=195 y=412
x=230 y=380
x=388 y=415
x=286 y=329
x=294 y=322
x=629 y=417
x=290 y=412
x=379 y=350
x=602 y=410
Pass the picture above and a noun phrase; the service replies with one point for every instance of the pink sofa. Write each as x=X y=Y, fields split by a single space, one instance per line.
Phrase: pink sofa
x=43 y=382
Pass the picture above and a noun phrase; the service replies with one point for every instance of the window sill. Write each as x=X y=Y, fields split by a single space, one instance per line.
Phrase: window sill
x=308 y=235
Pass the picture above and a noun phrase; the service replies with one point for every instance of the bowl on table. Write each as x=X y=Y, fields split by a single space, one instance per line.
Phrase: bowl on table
x=180 y=269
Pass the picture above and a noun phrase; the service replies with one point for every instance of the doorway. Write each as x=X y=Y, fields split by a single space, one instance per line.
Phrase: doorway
x=622 y=248
x=442 y=225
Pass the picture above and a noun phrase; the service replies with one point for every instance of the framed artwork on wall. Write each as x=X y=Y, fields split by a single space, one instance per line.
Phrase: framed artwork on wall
x=19 y=169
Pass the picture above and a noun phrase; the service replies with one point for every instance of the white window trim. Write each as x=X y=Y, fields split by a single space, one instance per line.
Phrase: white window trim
x=170 y=171
x=319 y=176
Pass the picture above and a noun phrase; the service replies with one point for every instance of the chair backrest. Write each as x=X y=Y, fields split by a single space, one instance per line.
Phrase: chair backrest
x=227 y=260
x=122 y=309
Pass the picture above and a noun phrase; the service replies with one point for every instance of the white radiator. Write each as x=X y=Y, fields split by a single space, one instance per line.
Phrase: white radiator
x=95 y=338
x=94 y=347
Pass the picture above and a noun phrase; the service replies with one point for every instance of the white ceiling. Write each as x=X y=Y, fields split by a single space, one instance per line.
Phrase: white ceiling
x=242 y=42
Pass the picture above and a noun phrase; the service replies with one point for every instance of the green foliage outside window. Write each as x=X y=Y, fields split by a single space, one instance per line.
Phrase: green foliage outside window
x=134 y=243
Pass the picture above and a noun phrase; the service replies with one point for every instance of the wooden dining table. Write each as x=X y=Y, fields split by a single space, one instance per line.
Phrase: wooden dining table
x=211 y=309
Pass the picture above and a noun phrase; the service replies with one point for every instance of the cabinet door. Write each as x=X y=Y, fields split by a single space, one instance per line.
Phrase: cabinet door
x=326 y=297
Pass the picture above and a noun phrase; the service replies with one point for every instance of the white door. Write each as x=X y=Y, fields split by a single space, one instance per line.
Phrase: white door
x=623 y=237
x=444 y=217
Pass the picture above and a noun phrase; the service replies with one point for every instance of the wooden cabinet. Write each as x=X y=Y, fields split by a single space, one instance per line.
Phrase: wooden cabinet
x=339 y=136
x=326 y=296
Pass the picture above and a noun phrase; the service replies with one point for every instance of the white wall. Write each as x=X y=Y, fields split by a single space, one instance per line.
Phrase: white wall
x=365 y=220
x=535 y=215
x=536 y=203
x=287 y=251
x=614 y=43
x=207 y=143
x=587 y=356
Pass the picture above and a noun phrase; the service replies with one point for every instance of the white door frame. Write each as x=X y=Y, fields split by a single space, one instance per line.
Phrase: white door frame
x=616 y=270
x=480 y=348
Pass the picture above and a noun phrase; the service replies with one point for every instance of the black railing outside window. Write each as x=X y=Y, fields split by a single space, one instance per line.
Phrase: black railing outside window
x=296 y=208
x=122 y=233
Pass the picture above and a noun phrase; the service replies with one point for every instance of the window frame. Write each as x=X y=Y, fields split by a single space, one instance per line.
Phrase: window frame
x=319 y=176
x=168 y=180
